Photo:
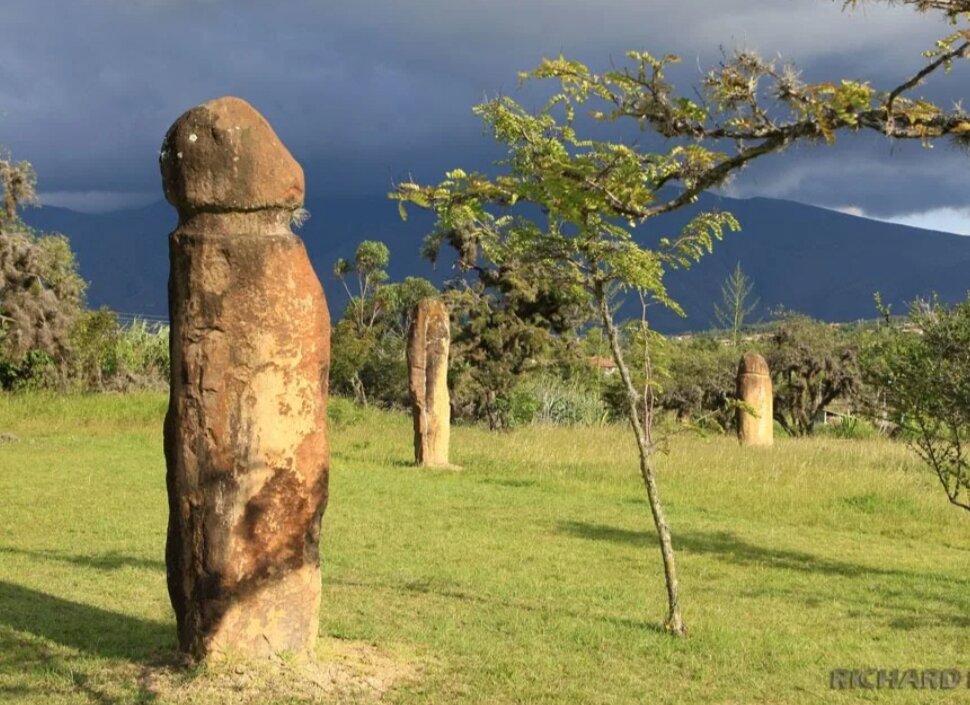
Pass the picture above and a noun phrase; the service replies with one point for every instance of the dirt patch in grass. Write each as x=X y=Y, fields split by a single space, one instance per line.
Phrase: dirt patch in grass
x=343 y=672
x=35 y=670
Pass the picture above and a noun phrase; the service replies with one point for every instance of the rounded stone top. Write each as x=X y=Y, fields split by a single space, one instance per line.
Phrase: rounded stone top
x=223 y=155
x=753 y=364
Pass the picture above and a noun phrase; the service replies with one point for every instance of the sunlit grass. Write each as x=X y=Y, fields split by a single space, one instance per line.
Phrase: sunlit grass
x=530 y=576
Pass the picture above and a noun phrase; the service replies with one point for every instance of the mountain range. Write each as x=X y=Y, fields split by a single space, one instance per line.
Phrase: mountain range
x=804 y=258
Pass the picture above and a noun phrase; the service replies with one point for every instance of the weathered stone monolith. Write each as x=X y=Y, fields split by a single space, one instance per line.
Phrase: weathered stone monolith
x=246 y=431
x=429 y=339
x=754 y=390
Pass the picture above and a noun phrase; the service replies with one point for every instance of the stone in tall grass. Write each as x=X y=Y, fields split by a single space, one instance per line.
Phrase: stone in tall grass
x=754 y=390
x=246 y=431
x=429 y=339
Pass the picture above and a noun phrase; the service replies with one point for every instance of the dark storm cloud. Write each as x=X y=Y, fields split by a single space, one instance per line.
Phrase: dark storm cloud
x=367 y=91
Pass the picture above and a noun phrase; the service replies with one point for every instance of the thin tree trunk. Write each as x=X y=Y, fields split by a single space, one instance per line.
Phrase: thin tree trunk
x=359 y=391
x=648 y=398
x=675 y=621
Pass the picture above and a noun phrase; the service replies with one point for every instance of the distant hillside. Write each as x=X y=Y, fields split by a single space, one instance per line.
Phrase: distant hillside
x=820 y=262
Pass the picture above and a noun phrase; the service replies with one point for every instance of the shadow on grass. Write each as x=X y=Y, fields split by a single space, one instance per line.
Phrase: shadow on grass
x=508 y=482
x=728 y=547
x=103 y=561
x=398 y=463
x=90 y=629
x=427 y=588
x=36 y=670
x=933 y=594
x=937 y=621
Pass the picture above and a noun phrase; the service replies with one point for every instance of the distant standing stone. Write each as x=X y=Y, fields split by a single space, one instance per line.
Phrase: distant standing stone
x=429 y=340
x=246 y=431
x=754 y=389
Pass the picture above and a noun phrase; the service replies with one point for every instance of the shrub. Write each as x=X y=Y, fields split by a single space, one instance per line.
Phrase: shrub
x=549 y=399
x=143 y=354
x=849 y=428
x=812 y=365
x=343 y=412
x=699 y=381
x=105 y=355
x=35 y=370
x=921 y=372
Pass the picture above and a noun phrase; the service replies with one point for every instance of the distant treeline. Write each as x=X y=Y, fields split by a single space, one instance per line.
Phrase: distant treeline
x=524 y=349
x=512 y=362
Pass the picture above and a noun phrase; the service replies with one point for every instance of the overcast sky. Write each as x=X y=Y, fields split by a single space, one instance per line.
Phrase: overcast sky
x=367 y=91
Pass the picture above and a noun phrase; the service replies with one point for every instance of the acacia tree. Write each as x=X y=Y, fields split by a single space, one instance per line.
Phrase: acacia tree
x=736 y=304
x=920 y=368
x=370 y=270
x=593 y=194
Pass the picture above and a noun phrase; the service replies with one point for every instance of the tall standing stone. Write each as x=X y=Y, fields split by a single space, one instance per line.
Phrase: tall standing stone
x=246 y=431
x=754 y=389
x=429 y=339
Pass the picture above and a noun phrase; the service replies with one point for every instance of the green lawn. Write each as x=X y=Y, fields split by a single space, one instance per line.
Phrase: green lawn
x=530 y=576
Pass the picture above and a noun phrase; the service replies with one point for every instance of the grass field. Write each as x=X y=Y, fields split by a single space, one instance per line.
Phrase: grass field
x=530 y=576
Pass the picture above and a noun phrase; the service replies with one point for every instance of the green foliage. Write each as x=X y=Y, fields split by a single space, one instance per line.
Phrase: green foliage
x=101 y=356
x=369 y=267
x=849 y=428
x=19 y=183
x=95 y=348
x=35 y=370
x=371 y=258
x=342 y=412
x=532 y=280
x=736 y=305
x=348 y=353
x=699 y=382
x=500 y=334
x=694 y=380
x=548 y=399
x=951 y=8
x=107 y=356
x=592 y=194
x=368 y=344
x=41 y=292
x=695 y=376
x=523 y=407
x=371 y=366
x=920 y=369
x=143 y=354
x=812 y=365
